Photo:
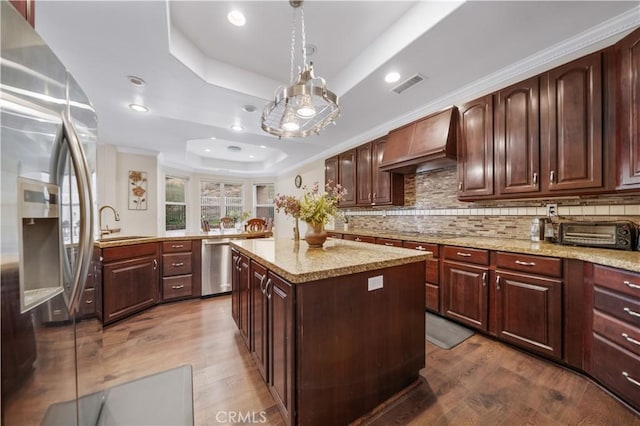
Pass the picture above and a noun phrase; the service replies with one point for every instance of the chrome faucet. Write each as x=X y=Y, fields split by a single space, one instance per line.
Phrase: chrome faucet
x=106 y=230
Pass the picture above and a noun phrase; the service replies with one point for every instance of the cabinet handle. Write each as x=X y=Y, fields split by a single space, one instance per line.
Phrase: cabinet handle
x=552 y=176
x=369 y=197
x=155 y=264
x=374 y=195
x=420 y=248
x=177 y=245
x=263 y=288
x=177 y=265
x=177 y=287
x=484 y=279
x=357 y=239
x=90 y=301
x=459 y=186
x=463 y=254
x=497 y=282
x=267 y=287
x=632 y=313
x=535 y=178
x=388 y=244
x=631 y=285
x=520 y=262
x=626 y=376
x=630 y=339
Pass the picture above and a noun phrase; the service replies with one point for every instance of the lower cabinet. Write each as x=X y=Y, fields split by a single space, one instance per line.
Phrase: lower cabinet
x=130 y=280
x=259 y=318
x=614 y=358
x=181 y=269
x=240 y=294
x=465 y=286
x=432 y=284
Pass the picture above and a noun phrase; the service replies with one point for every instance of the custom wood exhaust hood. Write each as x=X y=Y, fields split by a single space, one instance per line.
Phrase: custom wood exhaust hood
x=425 y=144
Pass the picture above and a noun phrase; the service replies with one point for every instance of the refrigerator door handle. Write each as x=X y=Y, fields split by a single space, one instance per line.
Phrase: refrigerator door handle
x=81 y=266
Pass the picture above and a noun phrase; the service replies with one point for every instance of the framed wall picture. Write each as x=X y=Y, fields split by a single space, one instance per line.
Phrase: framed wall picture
x=138 y=197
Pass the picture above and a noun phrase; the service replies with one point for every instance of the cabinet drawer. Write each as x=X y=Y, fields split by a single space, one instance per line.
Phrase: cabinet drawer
x=361 y=238
x=334 y=235
x=433 y=271
x=480 y=257
x=176 y=264
x=128 y=252
x=534 y=264
x=433 y=248
x=176 y=246
x=389 y=242
x=617 y=331
x=175 y=287
x=88 y=303
x=623 y=281
x=622 y=307
x=617 y=368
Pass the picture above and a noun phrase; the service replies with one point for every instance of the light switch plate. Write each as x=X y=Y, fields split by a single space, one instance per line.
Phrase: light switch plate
x=375 y=283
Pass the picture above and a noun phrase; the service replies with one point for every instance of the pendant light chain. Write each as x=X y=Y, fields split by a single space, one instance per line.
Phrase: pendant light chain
x=304 y=39
x=293 y=45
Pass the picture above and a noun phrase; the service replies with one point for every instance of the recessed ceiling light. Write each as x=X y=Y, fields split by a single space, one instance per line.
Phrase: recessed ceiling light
x=392 y=77
x=236 y=18
x=234 y=148
x=207 y=150
x=251 y=156
x=139 y=108
x=263 y=146
x=237 y=127
x=212 y=138
x=136 y=81
x=249 y=108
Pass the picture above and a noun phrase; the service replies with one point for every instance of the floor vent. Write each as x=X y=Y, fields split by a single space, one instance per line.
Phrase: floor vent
x=408 y=83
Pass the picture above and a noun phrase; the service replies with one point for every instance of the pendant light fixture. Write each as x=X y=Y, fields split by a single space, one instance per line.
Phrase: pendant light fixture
x=306 y=106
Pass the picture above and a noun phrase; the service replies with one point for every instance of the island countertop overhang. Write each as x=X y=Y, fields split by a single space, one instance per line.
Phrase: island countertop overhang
x=298 y=263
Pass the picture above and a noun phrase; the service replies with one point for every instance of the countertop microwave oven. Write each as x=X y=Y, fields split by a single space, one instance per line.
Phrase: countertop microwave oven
x=621 y=235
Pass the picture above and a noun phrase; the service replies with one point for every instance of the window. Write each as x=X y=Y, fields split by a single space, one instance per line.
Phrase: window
x=219 y=199
x=175 y=203
x=263 y=194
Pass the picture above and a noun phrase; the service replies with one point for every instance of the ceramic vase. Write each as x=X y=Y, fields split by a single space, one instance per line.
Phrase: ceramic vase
x=315 y=235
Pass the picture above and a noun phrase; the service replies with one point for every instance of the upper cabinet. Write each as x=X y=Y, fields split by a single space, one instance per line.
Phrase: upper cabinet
x=571 y=125
x=475 y=148
x=27 y=8
x=347 y=176
x=517 y=138
x=628 y=111
x=331 y=170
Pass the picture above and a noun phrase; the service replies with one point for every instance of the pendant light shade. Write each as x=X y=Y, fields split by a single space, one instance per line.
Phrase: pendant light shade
x=306 y=106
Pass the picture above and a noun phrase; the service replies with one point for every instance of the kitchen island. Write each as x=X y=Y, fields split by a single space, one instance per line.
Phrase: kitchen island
x=336 y=331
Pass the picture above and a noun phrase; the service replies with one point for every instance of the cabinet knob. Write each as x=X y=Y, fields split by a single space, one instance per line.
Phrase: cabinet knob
x=552 y=176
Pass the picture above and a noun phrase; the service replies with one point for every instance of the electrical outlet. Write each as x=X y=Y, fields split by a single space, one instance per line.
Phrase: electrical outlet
x=375 y=283
x=552 y=210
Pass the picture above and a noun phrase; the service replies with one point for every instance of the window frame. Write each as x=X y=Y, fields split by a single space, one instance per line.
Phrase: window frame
x=185 y=180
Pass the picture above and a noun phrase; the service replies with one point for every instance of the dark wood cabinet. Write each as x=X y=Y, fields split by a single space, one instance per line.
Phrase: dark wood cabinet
x=347 y=173
x=259 y=319
x=331 y=170
x=281 y=344
x=614 y=338
x=517 y=138
x=628 y=111
x=359 y=238
x=529 y=312
x=181 y=269
x=240 y=294
x=130 y=280
x=27 y=8
x=475 y=149
x=432 y=273
x=364 y=192
x=571 y=127
x=465 y=293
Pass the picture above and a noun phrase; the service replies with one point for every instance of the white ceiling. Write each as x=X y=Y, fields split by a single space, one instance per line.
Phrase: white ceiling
x=200 y=71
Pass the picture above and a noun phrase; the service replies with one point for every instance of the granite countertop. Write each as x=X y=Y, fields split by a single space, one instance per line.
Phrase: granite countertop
x=298 y=263
x=126 y=240
x=629 y=260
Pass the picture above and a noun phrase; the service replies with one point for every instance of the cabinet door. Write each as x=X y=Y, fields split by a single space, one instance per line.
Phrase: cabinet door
x=529 y=312
x=571 y=124
x=347 y=173
x=387 y=187
x=628 y=111
x=364 y=192
x=331 y=170
x=465 y=293
x=475 y=149
x=518 y=138
x=281 y=344
x=259 y=319
x=244 y=311
x=129 y=286
x=235 y=287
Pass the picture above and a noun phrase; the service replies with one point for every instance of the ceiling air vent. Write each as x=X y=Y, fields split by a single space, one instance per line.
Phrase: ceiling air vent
x=408 y=83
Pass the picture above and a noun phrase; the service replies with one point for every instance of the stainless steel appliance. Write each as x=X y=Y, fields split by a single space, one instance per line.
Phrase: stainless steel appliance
x=51 y=370
x=216 y=267
x=616 y=234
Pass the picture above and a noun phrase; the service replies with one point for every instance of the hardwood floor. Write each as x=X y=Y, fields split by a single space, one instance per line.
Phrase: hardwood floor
x=480 y=381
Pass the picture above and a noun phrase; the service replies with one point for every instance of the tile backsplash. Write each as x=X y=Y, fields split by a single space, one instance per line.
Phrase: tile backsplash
x=431 y=206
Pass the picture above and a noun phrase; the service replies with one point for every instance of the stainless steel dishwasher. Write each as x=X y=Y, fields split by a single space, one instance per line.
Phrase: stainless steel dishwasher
x=216 y=267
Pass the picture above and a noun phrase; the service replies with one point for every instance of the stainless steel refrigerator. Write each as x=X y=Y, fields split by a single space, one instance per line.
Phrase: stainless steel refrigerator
x=51 y=349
